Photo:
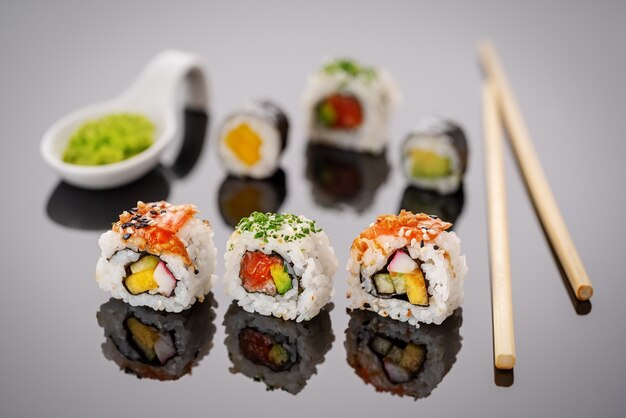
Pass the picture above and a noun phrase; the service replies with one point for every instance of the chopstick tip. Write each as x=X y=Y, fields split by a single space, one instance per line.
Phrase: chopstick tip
x=584 y=292
x=505 y=361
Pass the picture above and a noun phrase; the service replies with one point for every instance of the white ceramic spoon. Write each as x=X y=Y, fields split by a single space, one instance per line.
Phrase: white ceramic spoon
x=153 y=94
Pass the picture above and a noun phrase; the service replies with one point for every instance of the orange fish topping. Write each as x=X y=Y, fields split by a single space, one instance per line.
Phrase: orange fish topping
x=420 y=227
x=152 y=227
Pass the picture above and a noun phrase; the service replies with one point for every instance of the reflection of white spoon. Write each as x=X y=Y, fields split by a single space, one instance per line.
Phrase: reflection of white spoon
x=153 y=94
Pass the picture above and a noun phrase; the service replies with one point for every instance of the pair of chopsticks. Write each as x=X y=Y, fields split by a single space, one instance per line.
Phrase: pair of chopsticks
x=499 y=106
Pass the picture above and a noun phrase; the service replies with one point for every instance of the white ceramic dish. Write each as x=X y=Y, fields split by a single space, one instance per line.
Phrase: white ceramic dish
x=153 y=94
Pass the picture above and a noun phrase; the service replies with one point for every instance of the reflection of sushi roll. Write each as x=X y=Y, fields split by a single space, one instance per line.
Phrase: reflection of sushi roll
x=282 y=354
x=158 y=255
x=156 y=345
x=281 y=265
x=407 y=267
x=398 y=358
x=446 y=207
x=252 y=139
x=238 y=198
x=349 y=105
x=434 y=156
x=344 y=177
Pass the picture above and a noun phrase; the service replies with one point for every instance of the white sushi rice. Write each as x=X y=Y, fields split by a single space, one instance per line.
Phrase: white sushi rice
x=196 y=235
x=444 y=268
x=377 y=98
x=312 y=259
x=270 y=148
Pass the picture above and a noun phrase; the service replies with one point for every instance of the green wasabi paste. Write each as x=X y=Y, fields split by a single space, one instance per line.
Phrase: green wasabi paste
x=110 y=139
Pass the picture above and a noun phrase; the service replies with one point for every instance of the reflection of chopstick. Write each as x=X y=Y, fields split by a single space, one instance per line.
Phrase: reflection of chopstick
x=542 y=197
x=502 y=306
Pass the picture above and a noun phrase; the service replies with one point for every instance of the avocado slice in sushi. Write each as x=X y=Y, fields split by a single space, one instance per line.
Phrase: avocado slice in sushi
x=278 y=355
x=281 y=278
x=427 y=164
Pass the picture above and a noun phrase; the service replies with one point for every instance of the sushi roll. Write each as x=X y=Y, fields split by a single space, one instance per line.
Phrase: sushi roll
x=434 y=156
x=281 y=265
x=344 y=178
x=238 y=198
x=157 y=345
x=158 y=255
x=407 y=267
x=282 y=354
x=348 y=106
x=252 y=139
x=397 y=358
x=447 y=207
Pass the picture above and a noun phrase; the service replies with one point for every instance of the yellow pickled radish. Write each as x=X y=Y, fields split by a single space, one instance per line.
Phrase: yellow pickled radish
x=141 y=282
x=245 y=144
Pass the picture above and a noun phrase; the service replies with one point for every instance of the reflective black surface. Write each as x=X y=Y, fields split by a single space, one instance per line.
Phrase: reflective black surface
x=566 y=62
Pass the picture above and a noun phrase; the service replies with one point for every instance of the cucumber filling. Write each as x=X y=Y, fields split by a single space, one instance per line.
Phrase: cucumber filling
x=400 y=360
x=402 y=278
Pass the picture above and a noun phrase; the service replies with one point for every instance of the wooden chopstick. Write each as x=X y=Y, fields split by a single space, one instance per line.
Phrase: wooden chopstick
x=501 y=301
x=540 y=192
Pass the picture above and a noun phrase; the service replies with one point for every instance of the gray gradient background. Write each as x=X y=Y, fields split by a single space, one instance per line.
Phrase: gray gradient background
x=567 y=64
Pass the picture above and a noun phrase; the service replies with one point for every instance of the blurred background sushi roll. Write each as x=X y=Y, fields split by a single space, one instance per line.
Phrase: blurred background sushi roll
x=344 y=178
x=157 y=345
x=239 y=197
x=349 y=105
x=447 y=207
x=398 y=358
x=252 y=139
x=281 y=265
x=282 y=354
x=434 y=155
x=158 y=255
x=407 y=267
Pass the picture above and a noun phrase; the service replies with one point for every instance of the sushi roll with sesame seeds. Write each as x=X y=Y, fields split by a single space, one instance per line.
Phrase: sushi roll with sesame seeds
x=407 y=267
x=281 y=265
x=281 y=354
x=348 y=106
x=397 y=358
x=252 y=139
x=157 y=345
x=158 y=255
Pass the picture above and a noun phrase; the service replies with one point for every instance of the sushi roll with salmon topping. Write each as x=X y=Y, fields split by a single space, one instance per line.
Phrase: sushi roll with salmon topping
x=281 y=265
x=434 y=156
x=348 y=106
x=252 y=139
x=158 y=255
x=407 y=267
